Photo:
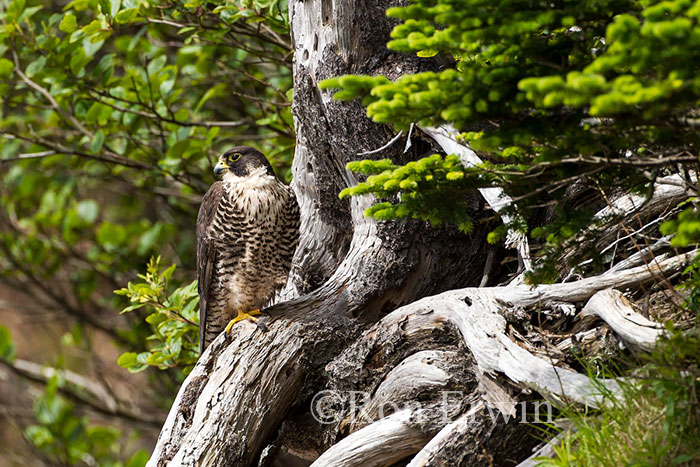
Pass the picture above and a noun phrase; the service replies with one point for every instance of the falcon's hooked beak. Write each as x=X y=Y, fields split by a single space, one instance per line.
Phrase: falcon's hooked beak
x=220 y=167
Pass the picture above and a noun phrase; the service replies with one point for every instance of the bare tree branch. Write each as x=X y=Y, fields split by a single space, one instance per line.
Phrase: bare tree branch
x=98 y=398
x=613 y=308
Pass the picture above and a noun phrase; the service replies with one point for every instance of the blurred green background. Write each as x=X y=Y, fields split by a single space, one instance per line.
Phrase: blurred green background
x=113 y=113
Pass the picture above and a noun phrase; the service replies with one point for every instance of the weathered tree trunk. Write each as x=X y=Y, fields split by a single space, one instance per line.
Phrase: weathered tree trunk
x=386 y=310
x=348 y=271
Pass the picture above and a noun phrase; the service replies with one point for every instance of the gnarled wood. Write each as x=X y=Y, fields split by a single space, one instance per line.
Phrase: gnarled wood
x=477 y=437
x=613 y=308
x=382 y=443
x=631 y=210
x=477 y=314
x=415 y=378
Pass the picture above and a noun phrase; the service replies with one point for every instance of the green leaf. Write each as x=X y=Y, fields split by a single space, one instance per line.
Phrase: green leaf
x=111 y=235
x=78 y=60
x=168 y=273
x=115 y=5
x=185 y=30
x=427 y=53
x=156 y=318
x=267 y=120
x=126 y=16
x=35 y=67
x=6 y=67
x=127 y=359
x=105 y=7
x=78 y=5
x=68 y=24
x=214 y=91
x=105 y=67
x=29 y=12
x=177 y=150
x=15 y=9
x=131 y=308
x=39 y=435
x=97 y=141
x=91 y=28
x=682 y=459
x=133 y=362
x=98 y=113
x=155 y=65
x=87 y=210
x=7 y=348
x=167 y=86
x=139 y=459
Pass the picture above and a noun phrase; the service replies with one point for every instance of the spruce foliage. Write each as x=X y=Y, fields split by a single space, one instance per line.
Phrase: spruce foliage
x=599 y=95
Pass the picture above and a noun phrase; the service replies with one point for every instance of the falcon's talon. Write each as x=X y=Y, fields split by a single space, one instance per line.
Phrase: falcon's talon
x=251 y=315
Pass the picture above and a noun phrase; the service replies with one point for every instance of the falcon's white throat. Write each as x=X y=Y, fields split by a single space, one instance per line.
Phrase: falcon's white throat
x=252 y=194
x=257 y=179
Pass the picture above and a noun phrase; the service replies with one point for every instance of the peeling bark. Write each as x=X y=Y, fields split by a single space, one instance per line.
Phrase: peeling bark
x=384 y=442
x=476 y=438
x=613 y=308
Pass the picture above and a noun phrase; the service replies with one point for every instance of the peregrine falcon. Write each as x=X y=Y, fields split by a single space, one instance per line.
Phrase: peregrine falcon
x=247 y=231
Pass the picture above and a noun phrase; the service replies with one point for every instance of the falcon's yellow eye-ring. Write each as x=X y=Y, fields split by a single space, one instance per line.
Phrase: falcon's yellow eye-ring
x=234 y=157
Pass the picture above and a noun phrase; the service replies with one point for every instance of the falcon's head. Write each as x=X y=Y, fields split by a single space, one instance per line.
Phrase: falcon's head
x=243 y=161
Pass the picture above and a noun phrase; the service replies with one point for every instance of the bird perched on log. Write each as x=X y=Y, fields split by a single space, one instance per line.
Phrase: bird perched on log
x=247 y=231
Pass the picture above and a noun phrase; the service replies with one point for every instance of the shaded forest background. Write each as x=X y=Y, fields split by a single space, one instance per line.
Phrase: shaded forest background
x=113 y=114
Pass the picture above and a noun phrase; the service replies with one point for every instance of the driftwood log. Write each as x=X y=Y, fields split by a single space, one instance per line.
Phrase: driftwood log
x=382 y=349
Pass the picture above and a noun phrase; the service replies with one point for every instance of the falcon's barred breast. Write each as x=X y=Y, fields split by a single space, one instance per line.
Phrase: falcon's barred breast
x=247 y=231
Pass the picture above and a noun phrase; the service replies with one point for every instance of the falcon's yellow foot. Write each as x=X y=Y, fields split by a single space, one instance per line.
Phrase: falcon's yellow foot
x=251 y=315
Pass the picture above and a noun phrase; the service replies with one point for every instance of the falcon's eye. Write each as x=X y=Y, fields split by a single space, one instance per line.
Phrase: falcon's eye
x=234 y=157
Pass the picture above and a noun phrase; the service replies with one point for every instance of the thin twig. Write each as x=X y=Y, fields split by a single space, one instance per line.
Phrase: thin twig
x=50 y=98
x=100 y=401
x=60 y=149
x=228 y=124
x=31 y=155
x=391 y=141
